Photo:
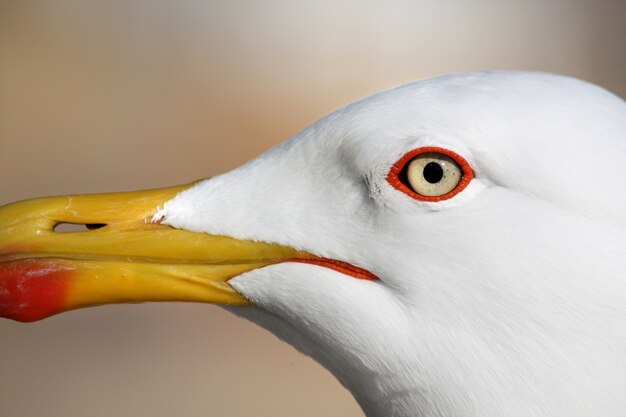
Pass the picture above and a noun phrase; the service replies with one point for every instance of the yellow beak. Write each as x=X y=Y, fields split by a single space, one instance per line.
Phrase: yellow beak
x=121 y=257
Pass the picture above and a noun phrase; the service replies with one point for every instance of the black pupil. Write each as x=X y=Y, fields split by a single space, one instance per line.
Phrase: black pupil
x=433 y=172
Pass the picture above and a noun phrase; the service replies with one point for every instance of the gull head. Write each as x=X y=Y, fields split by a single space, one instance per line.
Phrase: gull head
x=455 y=246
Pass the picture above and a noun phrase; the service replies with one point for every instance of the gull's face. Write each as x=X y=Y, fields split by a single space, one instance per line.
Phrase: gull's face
x=455 y=275
x=456 y=269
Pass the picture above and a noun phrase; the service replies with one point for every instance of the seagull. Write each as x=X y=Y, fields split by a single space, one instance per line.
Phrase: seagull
x=455 y=246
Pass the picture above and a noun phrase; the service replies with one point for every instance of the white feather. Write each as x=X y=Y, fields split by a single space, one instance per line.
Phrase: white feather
x=507 y=300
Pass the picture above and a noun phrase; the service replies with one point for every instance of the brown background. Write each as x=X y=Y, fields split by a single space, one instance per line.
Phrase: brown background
x=114 y=95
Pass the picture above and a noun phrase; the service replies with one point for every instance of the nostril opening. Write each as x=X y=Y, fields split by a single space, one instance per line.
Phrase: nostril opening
x=76 y=227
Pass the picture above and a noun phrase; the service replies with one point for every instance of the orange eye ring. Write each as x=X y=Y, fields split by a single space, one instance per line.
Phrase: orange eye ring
x=396 y=172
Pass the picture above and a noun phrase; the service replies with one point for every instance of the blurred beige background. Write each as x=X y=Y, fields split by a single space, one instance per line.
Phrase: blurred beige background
x=114 y=95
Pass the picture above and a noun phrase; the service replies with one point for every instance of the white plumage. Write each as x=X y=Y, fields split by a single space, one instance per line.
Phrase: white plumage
x=508 y=299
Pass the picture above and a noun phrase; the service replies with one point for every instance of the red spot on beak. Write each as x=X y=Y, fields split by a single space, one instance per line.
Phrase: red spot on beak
x=32 y=289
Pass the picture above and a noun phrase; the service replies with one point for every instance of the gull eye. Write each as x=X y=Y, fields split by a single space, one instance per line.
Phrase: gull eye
x=433 y=174
x=430 y=174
